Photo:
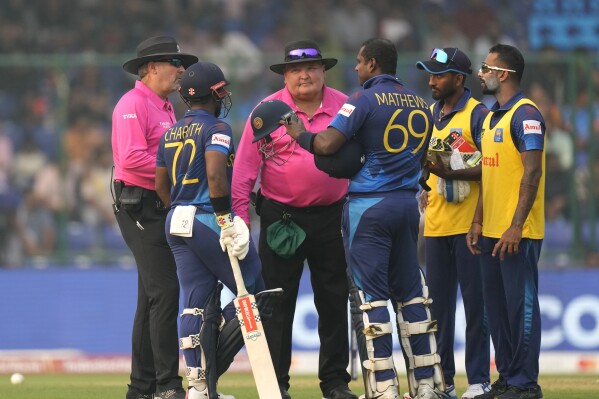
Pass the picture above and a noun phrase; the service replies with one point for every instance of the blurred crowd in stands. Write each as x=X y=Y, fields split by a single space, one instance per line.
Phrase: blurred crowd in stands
x=55 y=113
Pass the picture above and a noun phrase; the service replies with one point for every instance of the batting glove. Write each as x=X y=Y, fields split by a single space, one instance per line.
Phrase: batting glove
x=234 y=235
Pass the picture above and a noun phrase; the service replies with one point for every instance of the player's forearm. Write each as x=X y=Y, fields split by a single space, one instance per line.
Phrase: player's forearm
x=529 y=186
x=528 y=193
x=163 y=186
x=478 y=212
x=328 y=142
x=218 y=186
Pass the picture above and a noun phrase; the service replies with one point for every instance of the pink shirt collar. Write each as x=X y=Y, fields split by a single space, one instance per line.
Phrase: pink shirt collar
x=153 y=97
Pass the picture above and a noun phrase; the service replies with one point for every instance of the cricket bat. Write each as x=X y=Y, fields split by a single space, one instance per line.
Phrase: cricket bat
x=254 y=338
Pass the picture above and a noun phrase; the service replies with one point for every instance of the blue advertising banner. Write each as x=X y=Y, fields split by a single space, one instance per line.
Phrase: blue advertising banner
x=92 y=311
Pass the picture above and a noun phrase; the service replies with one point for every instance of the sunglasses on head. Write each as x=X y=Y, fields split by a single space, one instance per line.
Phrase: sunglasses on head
x=441 y=56
x=176 y=62
x=485 y=68
x=300 y=53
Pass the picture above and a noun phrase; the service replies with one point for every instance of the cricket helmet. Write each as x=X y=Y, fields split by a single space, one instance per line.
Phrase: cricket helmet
x=266 y=116
x=265 y=120
x=202 y=79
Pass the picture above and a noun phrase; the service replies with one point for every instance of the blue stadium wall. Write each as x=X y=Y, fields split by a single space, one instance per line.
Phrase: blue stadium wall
x=91 y=311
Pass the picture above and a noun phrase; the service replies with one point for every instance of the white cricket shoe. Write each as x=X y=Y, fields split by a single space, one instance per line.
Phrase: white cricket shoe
x=476 y=389
x=193 y=393
x=450 y=392
x=426 y=389
x=390 y=392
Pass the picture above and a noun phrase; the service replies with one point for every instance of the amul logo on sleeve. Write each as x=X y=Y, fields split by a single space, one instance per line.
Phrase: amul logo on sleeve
x=347 y=109
x=532 y=127
x=221 y=139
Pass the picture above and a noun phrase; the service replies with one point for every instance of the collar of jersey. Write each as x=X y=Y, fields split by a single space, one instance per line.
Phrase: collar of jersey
x=459 y=106
x=380 y=79
x=509 y=104
x=197 y=112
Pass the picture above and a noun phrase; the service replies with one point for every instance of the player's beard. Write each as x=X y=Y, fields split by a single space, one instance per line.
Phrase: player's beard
x=443 y=93
x=490 y=86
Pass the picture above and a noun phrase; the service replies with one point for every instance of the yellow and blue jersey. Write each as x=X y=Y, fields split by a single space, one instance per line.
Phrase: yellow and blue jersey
x=508 y=131
x=182 y=149
x=443 y=218
x=393 y=124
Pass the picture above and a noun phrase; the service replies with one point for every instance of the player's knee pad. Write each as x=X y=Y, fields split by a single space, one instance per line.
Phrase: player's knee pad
x=207 y=340
x=366 y=333
x=231 y=340
x=406 y=329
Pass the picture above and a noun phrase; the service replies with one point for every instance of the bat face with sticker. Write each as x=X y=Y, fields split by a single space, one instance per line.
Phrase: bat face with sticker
x=254 y=338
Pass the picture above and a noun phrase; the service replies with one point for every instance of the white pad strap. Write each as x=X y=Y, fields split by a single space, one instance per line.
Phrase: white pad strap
x=421 y=327
x=430 y=359
x=371 y=305
x=378 y=364
x=375 y=330
x=413 y=301
x=189 y=342
x=195 y=373
x=196 y=377
x=193 y=312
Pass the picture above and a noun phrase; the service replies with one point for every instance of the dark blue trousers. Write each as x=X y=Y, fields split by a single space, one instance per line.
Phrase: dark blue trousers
x=449 y=263
x=380 y=233
x=512 y=301
x=201 y=263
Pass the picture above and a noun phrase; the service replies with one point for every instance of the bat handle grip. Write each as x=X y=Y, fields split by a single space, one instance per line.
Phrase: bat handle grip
x=241 y=290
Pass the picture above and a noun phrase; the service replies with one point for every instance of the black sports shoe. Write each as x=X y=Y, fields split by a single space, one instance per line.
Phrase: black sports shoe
x=522 y=393
x=133 y=393
x=284 y=393
x=497 y=388
x=174 y=393
x=341 y=392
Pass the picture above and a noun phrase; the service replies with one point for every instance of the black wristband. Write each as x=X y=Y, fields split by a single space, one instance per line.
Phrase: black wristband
x=221 y=204
x=306 y=141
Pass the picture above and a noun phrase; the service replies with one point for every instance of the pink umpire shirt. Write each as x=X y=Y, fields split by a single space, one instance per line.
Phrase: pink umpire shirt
x=138 y=120
x=297 y=182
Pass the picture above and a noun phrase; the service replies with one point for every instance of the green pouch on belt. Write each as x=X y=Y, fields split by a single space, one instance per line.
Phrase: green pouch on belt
x=284 y=237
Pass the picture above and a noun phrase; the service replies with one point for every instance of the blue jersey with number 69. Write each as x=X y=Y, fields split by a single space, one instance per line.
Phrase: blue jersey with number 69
x=182 y=149
x=394 y=125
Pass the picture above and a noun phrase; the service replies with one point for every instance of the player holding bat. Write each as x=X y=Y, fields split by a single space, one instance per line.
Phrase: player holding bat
x=454 y=163
x=193 y=177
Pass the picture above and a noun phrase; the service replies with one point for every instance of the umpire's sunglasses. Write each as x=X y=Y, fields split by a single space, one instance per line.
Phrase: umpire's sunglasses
x=300 y=53
x=441 y=56
x=486 y=68
x=176 y=62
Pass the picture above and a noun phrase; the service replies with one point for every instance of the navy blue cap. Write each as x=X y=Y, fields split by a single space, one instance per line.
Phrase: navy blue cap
x=450 y=59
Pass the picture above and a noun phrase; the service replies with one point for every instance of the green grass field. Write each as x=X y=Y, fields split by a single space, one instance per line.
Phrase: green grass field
x=113 y=386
